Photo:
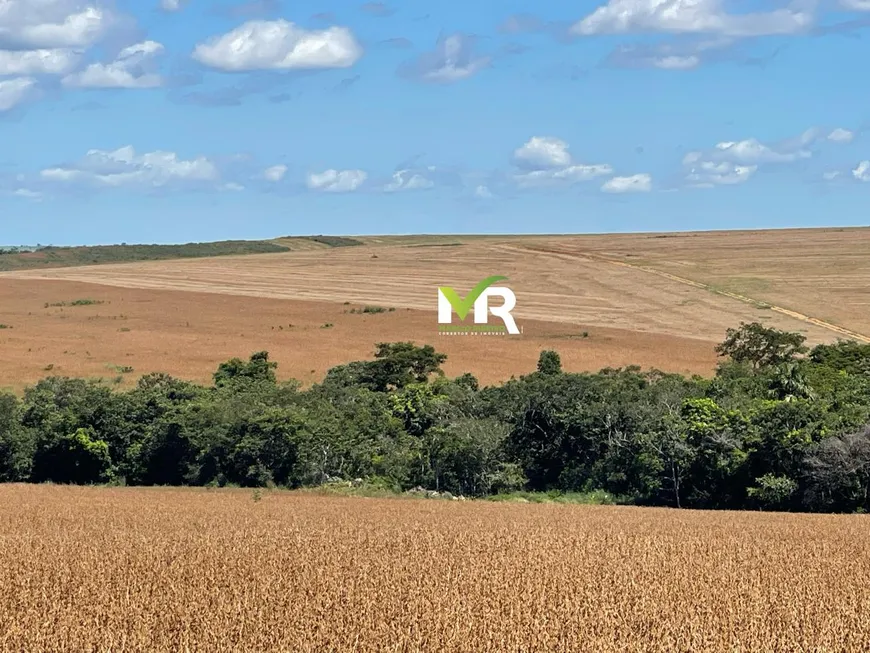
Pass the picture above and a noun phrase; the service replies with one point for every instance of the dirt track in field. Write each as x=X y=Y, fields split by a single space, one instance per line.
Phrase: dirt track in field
x=659 y=300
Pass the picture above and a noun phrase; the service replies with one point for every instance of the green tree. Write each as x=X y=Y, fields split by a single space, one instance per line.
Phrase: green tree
x=396 y=365
x=78 y=458
x=761 y=346
x=772 y=492
x=17 y=445
x=549 y=362
x=258 y=368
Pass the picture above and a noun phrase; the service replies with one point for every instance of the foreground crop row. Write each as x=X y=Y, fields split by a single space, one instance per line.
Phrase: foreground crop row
x=97 y=569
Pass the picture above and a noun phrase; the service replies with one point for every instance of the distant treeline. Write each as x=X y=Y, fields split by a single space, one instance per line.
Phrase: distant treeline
x=50 y=256
x=778 y=427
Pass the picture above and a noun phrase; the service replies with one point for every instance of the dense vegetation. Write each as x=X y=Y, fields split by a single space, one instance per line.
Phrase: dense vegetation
x=777 y=427
x=50 y=257
x=335 y=241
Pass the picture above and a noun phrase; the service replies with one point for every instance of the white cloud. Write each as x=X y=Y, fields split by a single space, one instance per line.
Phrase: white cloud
x=123 y=168
x=862 y=171
x=706 y=174
x=126 y=71
x=38 y=62
x=676 y=62
x=752 y=151
x=483 y=192
x=547 y=162
x=452 y=60
x=676 y=54
x=830 y=176
x=734 y=162
x=26 y=193
x=570 y=175
x=688 y=16
x=640 y=183
x=336 y=181
x=15 y=91
x=856 y=5
x=172 y=5
x=279 y=45
x=543 y=152
x=275 y=173
x=52 y=23
x=407 y=180
x=840 y=135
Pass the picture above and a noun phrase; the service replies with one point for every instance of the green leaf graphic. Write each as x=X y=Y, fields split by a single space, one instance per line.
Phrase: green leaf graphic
x=462 y=306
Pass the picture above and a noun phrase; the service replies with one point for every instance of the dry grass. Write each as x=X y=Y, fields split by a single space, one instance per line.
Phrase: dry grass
x=187 y=334
x=186 y=316
x=569 y=279
x=91 y=569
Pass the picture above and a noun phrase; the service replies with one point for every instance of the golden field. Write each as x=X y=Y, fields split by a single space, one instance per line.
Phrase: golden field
x=656 y=300
x=123 y=569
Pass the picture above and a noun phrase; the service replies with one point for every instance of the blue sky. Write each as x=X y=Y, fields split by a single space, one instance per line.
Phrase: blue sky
x=175 y=121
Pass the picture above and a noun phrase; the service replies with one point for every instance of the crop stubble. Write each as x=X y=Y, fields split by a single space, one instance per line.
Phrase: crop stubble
x=96 y=569
x=557 y=284
x=186 y=316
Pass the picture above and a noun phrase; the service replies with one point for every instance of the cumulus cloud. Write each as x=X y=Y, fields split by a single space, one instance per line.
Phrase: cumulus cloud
x=15 y=91
x=483 y=192
x=543 y=152
x=407 y=180
x=545 y=161
x=753 y=151
x=856 y=5
x=569 y=175
x=125 y=168
x=706 y=174
x=734 y=162
x=861 y=172
x=840 y=135
x=336 y=181
x=452 y=60
x=128 y=70
x=640 y=183
x=688 y=16
x=36 y=24
x=279 y=45
x=55 y=61
x=26 y=193
x=275 y=173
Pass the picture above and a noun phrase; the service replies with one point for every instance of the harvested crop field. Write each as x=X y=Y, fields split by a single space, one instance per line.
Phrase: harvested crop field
x=227 y=570
x=187 y=334
x=656 y=300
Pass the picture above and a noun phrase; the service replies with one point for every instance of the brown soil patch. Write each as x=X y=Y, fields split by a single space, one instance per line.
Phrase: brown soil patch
x=188 y=333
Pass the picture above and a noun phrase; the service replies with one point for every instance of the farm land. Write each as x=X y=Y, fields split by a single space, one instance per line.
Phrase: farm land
x=654 y=300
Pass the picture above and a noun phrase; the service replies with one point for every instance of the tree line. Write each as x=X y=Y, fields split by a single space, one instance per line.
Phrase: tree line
x=778 y=427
